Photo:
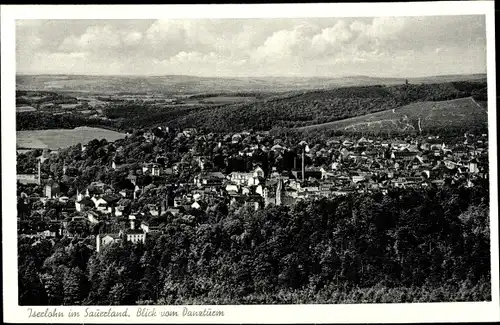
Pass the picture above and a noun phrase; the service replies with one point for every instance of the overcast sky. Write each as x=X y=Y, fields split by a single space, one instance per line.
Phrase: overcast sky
x=384 y=46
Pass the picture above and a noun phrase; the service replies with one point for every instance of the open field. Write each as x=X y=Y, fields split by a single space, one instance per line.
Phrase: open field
x=25 y=109
x=63 y=138
x=415 y=117
x=228 y=99
x=69 y=106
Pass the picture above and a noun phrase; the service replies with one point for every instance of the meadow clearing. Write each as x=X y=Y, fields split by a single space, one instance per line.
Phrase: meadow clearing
x=425 y=116
x=63 y=138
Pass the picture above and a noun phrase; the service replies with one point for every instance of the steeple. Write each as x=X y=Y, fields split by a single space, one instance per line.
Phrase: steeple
x=132 y=222
x=113 y=162
x=265 y=194
x=79 y=196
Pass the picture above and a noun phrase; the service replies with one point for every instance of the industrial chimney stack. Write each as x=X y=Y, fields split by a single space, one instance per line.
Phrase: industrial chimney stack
x=303 y=164
x=39 y=172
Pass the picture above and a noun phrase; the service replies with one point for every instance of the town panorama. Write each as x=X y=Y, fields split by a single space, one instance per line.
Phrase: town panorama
x=183 y=189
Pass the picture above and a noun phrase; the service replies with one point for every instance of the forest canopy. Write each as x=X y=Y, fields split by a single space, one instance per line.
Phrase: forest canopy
x=411 y=245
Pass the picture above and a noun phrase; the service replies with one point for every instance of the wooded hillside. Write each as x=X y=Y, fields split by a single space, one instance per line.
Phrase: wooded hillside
x=284 y=111
x=323 y=106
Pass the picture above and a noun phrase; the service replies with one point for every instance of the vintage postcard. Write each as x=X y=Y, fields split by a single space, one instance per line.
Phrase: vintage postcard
x=280 y=163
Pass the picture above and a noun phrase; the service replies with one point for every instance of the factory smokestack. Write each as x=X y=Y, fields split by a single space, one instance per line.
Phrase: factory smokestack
x=39 y=172
x=303 y=165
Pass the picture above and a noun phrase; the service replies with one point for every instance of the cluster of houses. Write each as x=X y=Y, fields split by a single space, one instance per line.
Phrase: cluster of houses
x=358 y=165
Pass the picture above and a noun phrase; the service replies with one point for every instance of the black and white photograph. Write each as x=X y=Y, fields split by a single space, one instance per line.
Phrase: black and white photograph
x=204 y=162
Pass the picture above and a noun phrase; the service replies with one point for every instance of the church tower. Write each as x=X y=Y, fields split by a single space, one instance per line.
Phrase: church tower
x=113 y=163
x=265 y=195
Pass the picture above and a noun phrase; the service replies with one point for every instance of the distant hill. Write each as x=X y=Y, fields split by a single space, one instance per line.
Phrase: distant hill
x=414 y=117
x=196 y=85
x=291 y=109
x=322 y=106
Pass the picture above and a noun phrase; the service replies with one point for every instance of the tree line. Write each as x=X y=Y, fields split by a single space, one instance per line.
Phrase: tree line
x=43 y=121
x=37 y=98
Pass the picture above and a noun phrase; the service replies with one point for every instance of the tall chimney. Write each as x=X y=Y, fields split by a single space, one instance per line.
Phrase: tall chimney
x=39 y=172
x=279 y=190
x=303 y=164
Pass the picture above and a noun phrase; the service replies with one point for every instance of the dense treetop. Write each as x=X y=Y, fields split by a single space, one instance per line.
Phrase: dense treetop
x=413 y=245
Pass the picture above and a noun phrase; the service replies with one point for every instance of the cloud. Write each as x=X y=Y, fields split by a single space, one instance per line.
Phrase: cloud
x=288 y=44
x=193 y=57
x=166 y=30
x=95 y=38
x=27 y=38
x=172 y=36
x=320 y=46
x=278 y=46
x=385 y=28
x=54 y=62
x=28 y=43
x=132 y=38
x=28 y=23
x=332 y=39
x=342 y=42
